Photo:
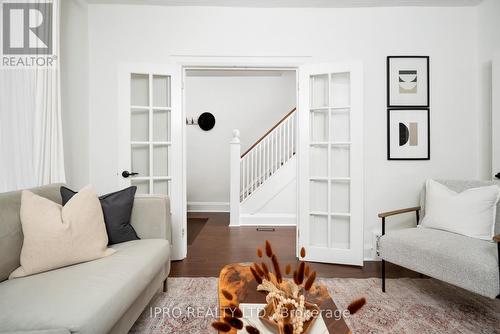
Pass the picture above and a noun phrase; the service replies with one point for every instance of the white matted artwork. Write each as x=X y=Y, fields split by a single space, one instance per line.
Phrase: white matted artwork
x=408 y=81
x=408 y=134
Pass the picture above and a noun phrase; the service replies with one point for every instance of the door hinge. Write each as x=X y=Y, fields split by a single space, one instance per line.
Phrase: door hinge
x=183 y=232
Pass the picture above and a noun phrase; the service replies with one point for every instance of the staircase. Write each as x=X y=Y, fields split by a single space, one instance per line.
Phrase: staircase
x=266 y=193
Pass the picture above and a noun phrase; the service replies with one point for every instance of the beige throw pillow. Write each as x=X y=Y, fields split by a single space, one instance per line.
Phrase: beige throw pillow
x=57 y=236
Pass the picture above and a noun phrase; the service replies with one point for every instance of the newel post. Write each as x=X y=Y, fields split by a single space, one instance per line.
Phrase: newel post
x=234 y=184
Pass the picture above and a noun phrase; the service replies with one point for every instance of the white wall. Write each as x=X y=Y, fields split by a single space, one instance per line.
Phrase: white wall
x=252 y=104
x=75 y=91
x=488 y=19
x=448 y=35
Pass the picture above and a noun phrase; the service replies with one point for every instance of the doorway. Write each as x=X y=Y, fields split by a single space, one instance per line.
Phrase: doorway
x=252 y=100
x=328 y=125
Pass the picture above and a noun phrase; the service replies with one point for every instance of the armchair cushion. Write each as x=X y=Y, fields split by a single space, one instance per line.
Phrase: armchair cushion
x=471 y=212
x=466 y=262
x=459 y=186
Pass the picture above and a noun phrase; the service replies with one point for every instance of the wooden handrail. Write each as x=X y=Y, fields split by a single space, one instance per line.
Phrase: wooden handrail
x=269 y=131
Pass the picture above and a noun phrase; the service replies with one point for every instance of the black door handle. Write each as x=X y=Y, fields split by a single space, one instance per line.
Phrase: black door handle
x=497 y=176
x=126 y=173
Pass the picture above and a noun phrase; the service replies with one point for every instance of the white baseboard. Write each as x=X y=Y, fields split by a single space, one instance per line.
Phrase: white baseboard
x=208 y=206
x=263 y=219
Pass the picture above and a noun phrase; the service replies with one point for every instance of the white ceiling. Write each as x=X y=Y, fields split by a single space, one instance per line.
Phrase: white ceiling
x=296 y=3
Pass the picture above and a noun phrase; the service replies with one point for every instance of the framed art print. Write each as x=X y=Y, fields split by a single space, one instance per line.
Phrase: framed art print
x=408 y=134
x=408 y=81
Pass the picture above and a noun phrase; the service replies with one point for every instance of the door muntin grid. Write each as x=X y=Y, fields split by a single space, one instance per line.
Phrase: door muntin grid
x=150 y=132
x=329 y=161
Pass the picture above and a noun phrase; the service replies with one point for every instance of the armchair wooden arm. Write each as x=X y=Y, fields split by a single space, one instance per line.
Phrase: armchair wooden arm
x=496 y=238
x=384 y=215
x=398 y=212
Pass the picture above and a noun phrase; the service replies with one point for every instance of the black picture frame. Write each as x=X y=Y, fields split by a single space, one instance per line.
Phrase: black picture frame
x=428 y=157
x=389 y=105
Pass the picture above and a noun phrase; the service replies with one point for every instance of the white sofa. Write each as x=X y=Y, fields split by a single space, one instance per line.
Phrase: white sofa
x=96 y=297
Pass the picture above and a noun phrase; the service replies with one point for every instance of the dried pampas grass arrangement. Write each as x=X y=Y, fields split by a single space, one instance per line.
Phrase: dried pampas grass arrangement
x=287 y=311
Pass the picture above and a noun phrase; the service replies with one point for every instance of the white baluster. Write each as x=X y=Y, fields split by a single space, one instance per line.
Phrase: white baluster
x=254 y=168
x=260 y=165
x=243 y=180
x=287 y=139
x=249 y=172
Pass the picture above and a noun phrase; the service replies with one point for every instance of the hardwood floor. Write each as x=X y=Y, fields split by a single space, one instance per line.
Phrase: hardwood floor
x=217 y=245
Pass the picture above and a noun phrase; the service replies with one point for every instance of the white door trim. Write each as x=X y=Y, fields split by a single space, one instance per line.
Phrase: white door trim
x=241 y=63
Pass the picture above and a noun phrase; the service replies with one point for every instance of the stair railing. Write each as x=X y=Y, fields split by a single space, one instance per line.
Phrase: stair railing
x=267 y=155
x=261 y=161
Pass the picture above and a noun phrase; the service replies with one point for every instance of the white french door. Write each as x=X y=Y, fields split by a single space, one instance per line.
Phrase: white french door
x=151 y=139
x=331 y=163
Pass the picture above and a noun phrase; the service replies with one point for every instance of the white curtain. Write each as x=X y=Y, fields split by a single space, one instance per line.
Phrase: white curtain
x=31 y=143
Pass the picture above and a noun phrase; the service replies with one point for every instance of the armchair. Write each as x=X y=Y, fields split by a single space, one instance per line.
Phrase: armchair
x=469 y=263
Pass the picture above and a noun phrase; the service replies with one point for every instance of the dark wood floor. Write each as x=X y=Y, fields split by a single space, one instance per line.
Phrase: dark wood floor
x=217 y=245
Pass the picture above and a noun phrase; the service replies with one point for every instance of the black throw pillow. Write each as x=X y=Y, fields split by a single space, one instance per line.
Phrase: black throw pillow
x=117 y=209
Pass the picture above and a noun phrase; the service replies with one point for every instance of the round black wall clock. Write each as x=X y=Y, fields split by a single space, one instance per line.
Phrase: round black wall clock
x=206 y=121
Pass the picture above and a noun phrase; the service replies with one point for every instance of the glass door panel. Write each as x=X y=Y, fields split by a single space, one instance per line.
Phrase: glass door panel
x=319 y=231
x=139 y=90
x=340 y=86
x=150 y=132
x=318 y=155
x=160 y=160
x=139 y=125
x=340 y=232
x=319 y=91
x=319 y=126
x=340 y=161
x=340 y=126
x=142 y=186
x=329 y=161
x=340 y=197
x=161 y=91
x=161 y=126
x=140 y=160
x=161 y=187
x=319 y=196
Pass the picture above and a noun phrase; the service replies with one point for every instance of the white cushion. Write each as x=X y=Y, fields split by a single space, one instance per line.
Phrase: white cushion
x=470 y=213
x=56 y=236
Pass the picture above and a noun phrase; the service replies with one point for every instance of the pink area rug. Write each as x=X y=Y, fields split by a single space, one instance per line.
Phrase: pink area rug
x=420 y=306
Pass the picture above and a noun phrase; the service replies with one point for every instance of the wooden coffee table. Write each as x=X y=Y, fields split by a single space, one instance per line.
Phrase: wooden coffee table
x=237 y=279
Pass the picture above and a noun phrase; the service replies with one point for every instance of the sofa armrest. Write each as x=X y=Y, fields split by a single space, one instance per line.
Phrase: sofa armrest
x=151 y=217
